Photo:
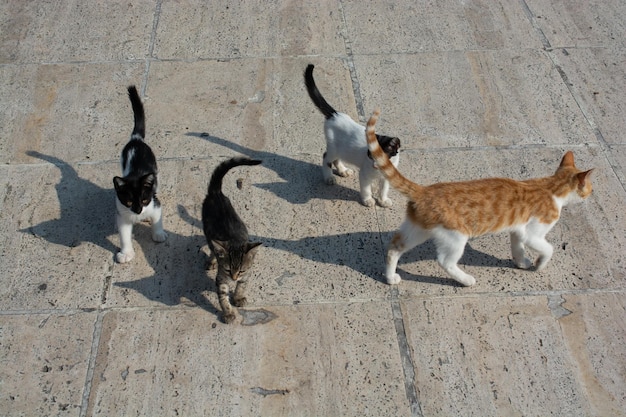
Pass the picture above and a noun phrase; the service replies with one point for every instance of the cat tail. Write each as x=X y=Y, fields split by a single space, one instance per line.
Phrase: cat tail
x=326 y=109
x=390 y=172
x=139 y=131
x=215 y=185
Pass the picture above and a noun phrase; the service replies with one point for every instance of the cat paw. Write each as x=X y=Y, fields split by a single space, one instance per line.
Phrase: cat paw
x=330 y=181
x=347 y=173
x=240 y=302
x=541 y=263
x=524 y=263
x=394 y=279
x=123 y=257
x=159 y=236
x=369 y=202
x=210 y=264
x=229 y=318
x=466 y=281
x=386 y=203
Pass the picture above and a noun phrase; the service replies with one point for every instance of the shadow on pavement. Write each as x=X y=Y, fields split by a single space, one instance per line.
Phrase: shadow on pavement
x=88 y=215
x=297 y=175
x=87 y=210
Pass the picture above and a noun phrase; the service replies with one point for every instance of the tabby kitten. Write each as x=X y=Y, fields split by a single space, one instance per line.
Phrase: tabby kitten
x=451 y=213
x=227 y=237
x=136 y=189
x=345 y=142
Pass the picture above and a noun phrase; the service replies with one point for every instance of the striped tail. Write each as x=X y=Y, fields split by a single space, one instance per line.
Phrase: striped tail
x=215 y=185
x=391 y=173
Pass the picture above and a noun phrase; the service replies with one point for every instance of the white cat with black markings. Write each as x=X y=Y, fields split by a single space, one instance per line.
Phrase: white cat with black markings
x=136 y=189
x=346 y=143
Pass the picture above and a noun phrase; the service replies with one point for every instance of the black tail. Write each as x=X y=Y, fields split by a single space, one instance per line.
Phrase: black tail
x=326 y=109
x=140 y=118
x=215 y=185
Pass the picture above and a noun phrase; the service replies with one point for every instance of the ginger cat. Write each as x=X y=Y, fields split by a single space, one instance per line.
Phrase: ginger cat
x=451 y=213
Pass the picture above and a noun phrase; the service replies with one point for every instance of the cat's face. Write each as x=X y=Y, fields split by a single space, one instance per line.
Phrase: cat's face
x=135 y=193
x=390 y=145
x=234 y=261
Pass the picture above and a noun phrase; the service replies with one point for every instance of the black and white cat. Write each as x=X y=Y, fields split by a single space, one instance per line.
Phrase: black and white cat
x=227 y=237
x=136 y=189
x=346 y=142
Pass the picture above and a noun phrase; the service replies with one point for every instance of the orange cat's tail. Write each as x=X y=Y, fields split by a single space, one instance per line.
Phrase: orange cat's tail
x=395 y=178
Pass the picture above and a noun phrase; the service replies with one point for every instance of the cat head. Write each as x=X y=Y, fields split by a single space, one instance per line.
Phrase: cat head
x=135 y=193
x=580 y=181
x=390 y=145
x=235 y=261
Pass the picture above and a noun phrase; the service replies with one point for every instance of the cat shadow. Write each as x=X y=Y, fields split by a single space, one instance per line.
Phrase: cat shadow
x=85 y=210
x=302 y=180
x=364 y=252
x=87 y=214
x=428 y=251
x=180 y=277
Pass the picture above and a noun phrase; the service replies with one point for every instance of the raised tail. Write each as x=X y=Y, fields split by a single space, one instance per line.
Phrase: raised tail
x=139 y=131
x=391 y=173
x=326 y=109
x=215 y=185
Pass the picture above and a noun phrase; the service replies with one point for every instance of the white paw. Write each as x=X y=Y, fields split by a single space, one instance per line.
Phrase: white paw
x=524 y=263
x=346 y=173
x=369 y=202
x=159 y=236
x=541 y=263
x=330 y=181
x=125 y=257
x=394 y=279
x=386 y=202
x=466 y=280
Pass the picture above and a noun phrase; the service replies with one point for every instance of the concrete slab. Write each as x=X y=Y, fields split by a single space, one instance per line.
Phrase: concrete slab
x=596 y=77
x=515 y=355
x=618 y=155
x=474 y=98
x=225 y=29
x=33 y=31
x=55 y=223
x=247 y=106
x=576 y=24
x=45 y=357
x=42 y=96
x=374 y=28
x=582 y=231
x=331 y=359
x=593 y=332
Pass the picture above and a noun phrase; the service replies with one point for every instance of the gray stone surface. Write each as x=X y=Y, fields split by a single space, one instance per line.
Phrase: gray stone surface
x=473 y=89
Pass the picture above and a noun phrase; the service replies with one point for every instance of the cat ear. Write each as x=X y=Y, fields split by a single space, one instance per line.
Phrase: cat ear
x=253 y=247
x=118 y=182
x=568 y=160
x=220 y=248
x=148 y=180
x=583 y=177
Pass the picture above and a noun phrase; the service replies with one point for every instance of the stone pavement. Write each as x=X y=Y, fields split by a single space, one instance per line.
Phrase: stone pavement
x=473 y=89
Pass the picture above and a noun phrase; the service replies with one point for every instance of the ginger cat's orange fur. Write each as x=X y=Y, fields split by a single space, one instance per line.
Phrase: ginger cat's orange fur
x=451 y=213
